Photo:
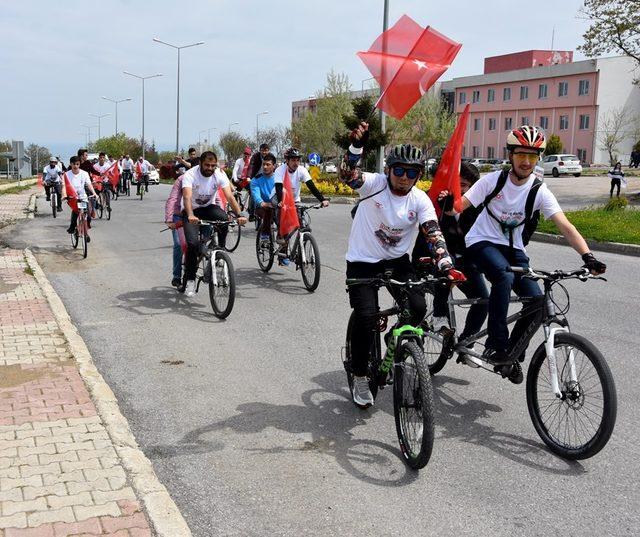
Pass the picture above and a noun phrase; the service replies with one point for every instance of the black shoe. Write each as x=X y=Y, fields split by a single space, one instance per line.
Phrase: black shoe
x=252 y=218
x=512 y=372
x=88 y=239
x=497 y=357
x=70 y=230
x=48 y=198
x=176 y=282
x=59 y=209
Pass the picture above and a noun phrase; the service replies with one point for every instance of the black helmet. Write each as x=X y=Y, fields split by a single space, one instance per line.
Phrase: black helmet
x=405 y=154
x=292 y=152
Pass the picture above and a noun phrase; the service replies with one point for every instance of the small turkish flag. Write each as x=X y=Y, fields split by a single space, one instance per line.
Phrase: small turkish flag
x=288 y=213
x=72 y=195
x=113 y=175
x=406 y=60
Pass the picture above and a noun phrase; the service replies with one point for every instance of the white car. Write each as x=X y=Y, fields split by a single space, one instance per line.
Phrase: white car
x=330 y=167
x=154 y=175
x=562 y=164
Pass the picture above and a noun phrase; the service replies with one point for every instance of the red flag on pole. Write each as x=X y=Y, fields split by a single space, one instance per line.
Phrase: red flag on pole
x=221 y=199
x=406 y=60
x=72 y=195
x=113 y=175
x=448 y=174
x=288 y=213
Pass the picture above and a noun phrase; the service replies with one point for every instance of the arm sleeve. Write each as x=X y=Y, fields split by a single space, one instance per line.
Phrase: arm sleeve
x=236 y=168
x=314 y=190
x=480 y=190
x=279 y=189
x=255 y=193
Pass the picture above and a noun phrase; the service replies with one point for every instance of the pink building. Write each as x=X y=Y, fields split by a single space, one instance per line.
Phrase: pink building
x=547 y=89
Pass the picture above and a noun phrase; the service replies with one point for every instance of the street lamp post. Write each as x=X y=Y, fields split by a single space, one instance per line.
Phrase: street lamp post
x=143 y=78
x=89 y=127
x=257 y=116
x=231 y=124
x=116 y=102
x=178 y=91
x=99 y=117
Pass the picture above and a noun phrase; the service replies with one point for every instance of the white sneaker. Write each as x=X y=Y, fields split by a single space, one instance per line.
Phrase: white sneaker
x=440 y=323
x=362 y=396
x=190 y=289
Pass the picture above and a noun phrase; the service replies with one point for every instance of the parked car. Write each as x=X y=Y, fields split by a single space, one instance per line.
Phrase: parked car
x=330 y=167
x=562 y=164
x=154 y=176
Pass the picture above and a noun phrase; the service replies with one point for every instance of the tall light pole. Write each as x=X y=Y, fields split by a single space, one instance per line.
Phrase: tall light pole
x=143 y=78
x=89 y=127
x=383 y=120
x=99 y=117
x=116 y=102
x=257 y=116
x=231 y=125
x=178 y=48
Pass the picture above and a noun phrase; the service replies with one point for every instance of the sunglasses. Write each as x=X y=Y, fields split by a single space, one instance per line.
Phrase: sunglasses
x=531 y=157
x=411 y=173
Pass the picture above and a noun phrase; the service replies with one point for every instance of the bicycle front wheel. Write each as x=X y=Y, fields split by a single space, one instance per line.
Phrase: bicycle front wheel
x=265 y=252
x=437 y=348
x=413 y=406
x=141 y=191
x=310 y=267
x=74 y=238
x=54 y=204
x=233 y=238
x=578 y=424
x=222 y=287
x=100 y=206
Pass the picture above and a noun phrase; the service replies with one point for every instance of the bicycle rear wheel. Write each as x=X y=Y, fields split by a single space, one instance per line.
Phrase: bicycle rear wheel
x=437 y=348
x=374 y=362
x=413 y=406
x=233 y=237
x=579 y=424
x=310 y=268
x=222 y=287
x=265 y=252
x=101 y=205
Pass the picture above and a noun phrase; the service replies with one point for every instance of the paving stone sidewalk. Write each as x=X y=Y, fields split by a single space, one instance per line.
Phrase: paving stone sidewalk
x=15 y=206
x=59 y=472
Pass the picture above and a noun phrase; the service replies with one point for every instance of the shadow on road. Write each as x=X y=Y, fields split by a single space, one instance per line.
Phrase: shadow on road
x=248 y=279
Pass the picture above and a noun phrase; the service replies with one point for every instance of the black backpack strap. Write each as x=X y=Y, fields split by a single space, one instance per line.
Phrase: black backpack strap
x=531 y=199
x=502 y=180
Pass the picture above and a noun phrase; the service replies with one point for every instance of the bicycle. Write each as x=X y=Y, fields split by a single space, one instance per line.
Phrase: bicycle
x=54 y=200
x=304 y=252
x=81 y=231
x=233 y=237
x=143 y=185
x=221 y=281
x=404 y=365
x=563 y=374
x=126 y=182
x=104 y=201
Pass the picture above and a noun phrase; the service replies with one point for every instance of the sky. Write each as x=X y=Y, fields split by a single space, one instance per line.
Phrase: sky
x=59 y=58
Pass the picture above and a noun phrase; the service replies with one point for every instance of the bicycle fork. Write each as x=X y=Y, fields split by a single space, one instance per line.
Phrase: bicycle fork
x=398 y=336
x=550 y=349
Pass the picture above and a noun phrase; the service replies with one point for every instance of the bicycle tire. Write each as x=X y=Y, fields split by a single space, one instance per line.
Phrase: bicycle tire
x=74 y=238
x=415 y=452
x=572 y=400
x=128 y=188
x=436 y=352
x=233 y=238
x=141 y=193
x=226 y=279
x=54 y=204
x=310 y=280
x=101 y=208
x=265 y=258
x=375 y=353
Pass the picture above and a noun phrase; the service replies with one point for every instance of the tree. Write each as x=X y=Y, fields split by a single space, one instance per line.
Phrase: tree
x=39 y=157
x=362 y=107
x=554 y=145
x=119 y=144
x=428 y=125
x=615 y=27
x=267 y=136
x=613 y=131
x=283 y=140
x=233 y=144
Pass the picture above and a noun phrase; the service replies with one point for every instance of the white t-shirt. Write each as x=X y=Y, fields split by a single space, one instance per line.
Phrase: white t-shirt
x=51 y=175
x=236 y=173
x=79 y=182
x=144 y=166
x=386 y=225
x=508 y=206
x=301 y=175
x=127 y=164
x=102 y=168
x=204 y=188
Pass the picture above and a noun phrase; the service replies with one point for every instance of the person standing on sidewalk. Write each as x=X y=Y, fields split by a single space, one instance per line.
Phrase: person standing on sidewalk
x=617 y=177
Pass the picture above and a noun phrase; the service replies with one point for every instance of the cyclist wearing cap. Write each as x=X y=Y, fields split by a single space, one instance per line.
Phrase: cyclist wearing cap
x=498 y=237
x=297 y=175
x=240 y=172
x=390 y=214
x=51 y=179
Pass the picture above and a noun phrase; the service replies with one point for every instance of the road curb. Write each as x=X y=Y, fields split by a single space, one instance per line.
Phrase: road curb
x=31 y=210
x=610 y=247
x=163 y=514
x=25 y=182
x=340 y=200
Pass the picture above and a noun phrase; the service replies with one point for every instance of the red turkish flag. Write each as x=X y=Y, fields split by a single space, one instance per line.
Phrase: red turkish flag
x=221 y=199
x=71 y=193
x=288 y=213
x=406 y=60
x=113 y=175
x=448 y=174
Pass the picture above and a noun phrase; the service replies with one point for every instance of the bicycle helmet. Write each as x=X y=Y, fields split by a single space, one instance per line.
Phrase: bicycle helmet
x=292 y=152
x=405 y=154
x=526 y=136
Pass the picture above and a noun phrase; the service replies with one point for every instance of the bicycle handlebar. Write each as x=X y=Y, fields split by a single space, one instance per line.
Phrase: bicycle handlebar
x=217 y=223
x=307 y=207
x=582 y=274
x=387 y=281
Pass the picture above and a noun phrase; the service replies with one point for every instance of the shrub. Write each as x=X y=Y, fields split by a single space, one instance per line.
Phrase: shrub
x=617 y=204
x=485 y=168
x=554 y=145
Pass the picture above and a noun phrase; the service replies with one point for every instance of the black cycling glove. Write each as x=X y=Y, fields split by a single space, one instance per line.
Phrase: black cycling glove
x=591 y=263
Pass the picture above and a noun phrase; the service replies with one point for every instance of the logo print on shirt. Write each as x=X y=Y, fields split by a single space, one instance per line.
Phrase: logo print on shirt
x=411 y=215
x=499 y=196
x=379 y=205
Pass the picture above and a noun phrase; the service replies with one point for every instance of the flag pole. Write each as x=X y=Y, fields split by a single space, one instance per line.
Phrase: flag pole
x=383 y=122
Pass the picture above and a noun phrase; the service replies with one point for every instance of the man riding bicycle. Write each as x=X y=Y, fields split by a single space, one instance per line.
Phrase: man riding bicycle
x=200 y=185
x=80 y=182
x=262 y=192
x=390 y=213
x=127 y=172
x=51 y=180
x=143 y=166
x=101 y=167
x=497 y=240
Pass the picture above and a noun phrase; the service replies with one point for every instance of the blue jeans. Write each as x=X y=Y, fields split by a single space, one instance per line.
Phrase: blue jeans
x=177 y=250
x=493 y=261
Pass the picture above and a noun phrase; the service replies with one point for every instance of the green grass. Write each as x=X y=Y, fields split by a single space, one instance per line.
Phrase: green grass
x=15 y=189
x=602 y=226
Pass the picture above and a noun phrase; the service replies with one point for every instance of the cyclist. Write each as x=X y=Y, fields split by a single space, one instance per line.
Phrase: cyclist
x=51 y=180
x=191 y=162
x=142 y=174
x=455 y=227
x=240 y=172
x=101 y=168
x=255 y=164
x=390 y=214
x=496 y=240
x=199 y=187
x=262 y=192
x=127 y=171
x=80 y=181
x=297 y=175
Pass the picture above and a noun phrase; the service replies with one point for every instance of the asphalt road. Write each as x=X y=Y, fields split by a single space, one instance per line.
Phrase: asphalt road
x=248 y=421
